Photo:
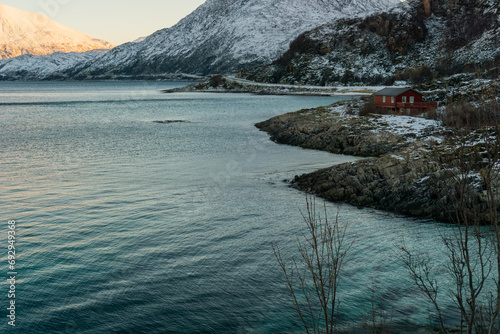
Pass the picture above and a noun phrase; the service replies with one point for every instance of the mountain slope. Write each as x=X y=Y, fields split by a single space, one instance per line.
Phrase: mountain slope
x=28 y=33
x=401 y=44
x=56 y=66
x=225 y=35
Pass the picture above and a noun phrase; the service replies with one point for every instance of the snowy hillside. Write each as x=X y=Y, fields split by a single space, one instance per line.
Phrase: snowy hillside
x=28 y=33
x=224 y=36
x=400 y=44
x=57 y=66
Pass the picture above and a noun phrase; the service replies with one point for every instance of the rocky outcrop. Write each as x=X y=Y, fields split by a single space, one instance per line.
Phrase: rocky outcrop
x=334 y=130
x=423 y=180
x=470 y=87
x=415 y=42
x=416 y=167
x=168 y=121
x=402 y=183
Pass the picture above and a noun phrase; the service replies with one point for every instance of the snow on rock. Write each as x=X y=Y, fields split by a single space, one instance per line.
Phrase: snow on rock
x=399 y=44
x=55 y=66
x=28 y=33
x=223 y=36
x=226 y=35
x=227 y=83
x=408 y=126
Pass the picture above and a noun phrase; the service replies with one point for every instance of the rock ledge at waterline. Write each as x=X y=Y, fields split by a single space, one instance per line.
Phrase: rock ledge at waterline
x=411 y=162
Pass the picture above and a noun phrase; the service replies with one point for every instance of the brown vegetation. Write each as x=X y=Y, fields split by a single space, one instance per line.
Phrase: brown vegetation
x=369 y=108
x=216 y=81
x=417 y=75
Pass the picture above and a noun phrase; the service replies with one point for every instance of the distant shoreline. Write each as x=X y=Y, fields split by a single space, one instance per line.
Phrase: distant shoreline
x=231 y=84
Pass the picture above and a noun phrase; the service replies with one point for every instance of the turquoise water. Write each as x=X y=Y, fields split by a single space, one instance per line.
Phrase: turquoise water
x=130 y=226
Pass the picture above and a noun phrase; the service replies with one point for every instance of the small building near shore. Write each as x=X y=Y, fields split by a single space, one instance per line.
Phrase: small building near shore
x=403 y=101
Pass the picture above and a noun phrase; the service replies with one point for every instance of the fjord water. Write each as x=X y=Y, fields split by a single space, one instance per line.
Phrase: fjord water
x=130 y=226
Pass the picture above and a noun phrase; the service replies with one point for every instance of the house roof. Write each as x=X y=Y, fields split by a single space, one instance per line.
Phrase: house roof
x=394 y=91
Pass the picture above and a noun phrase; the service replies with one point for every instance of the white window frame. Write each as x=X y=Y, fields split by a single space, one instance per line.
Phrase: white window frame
x=412 y=99
x=392 y=99
x=403 y=99
x=383 y=98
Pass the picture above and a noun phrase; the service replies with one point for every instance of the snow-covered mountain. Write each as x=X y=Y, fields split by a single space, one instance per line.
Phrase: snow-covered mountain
x=226 y=35
x=28 y=33
x=404 y=43
x=57 y=66
x=222 y=36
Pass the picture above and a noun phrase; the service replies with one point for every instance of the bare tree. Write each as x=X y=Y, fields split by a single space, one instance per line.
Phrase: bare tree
x=313 y=280
x=491 y=173
x=473 y=250
x=421 y=269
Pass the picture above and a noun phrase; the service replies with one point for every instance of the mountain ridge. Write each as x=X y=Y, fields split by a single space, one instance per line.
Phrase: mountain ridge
x=29 y=33
x=228 y=35
x=220 y=36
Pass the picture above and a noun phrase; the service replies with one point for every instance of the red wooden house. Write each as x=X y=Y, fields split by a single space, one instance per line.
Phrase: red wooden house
x=404 y=101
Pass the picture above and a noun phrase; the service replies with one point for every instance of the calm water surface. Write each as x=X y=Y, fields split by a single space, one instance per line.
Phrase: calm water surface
x=129 y=226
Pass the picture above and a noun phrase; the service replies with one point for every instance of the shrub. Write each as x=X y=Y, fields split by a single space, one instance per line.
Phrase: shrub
x=433 y=114
x=460 y=114
x=369 y=108
x=464 y=115
x=418 y=74
x=216 y=81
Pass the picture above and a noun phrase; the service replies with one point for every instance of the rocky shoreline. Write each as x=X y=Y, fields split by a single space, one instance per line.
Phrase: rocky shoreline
x=412 y=164
x=391 y=183
x=336 y=130
x=230 y=84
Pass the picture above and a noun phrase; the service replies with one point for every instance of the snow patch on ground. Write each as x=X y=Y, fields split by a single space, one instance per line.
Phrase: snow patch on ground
x=410 y=127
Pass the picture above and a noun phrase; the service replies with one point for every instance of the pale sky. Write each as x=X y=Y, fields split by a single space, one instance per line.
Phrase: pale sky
x=116 y=21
